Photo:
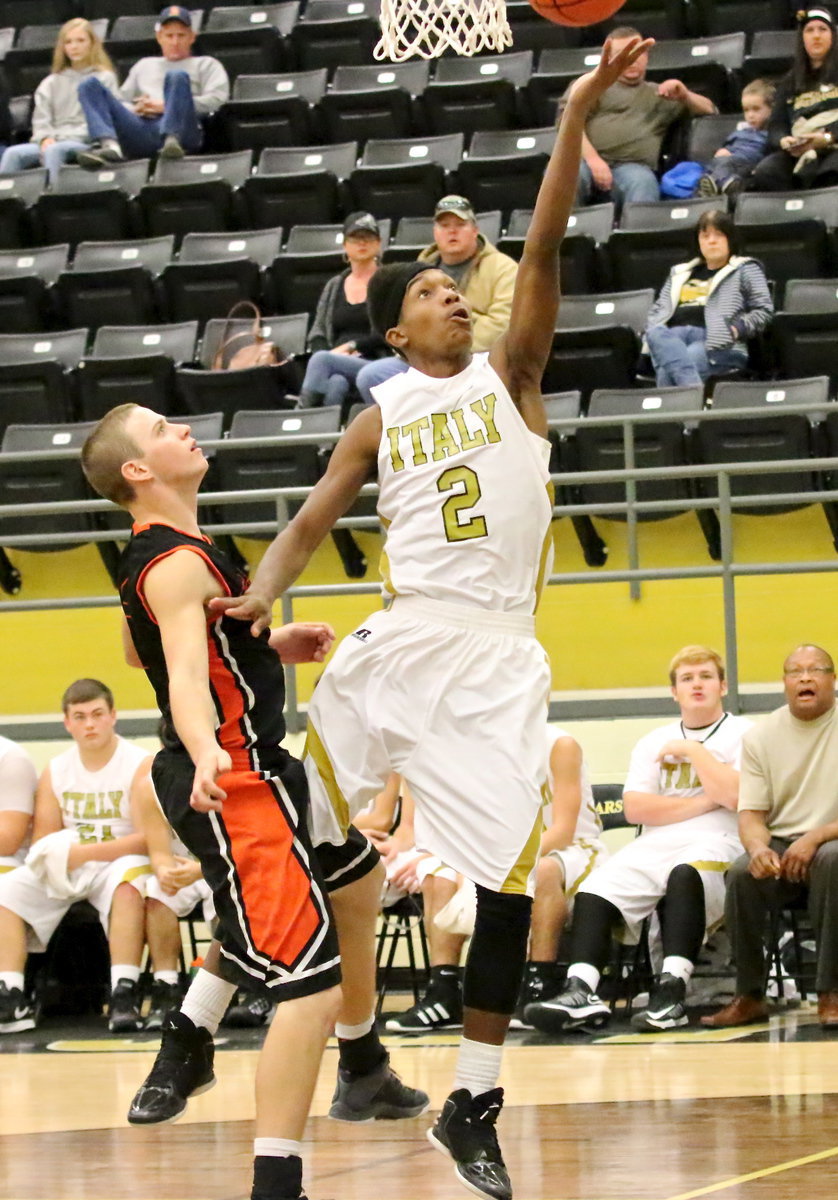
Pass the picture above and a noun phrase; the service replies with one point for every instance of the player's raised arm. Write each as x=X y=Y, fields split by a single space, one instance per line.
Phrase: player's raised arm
x=521 y=354
x=351 y=466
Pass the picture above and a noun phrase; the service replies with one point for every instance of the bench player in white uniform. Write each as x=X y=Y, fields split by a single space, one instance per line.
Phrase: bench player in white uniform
x=682 y=787
x=449 y=686
x=174 y=889
x=85 y=846
x=18 y=779
x=571 y=849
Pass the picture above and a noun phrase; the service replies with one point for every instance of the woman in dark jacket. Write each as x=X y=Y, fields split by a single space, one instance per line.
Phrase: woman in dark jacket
x=707 y=309
x=803 y=129
x=340 y=336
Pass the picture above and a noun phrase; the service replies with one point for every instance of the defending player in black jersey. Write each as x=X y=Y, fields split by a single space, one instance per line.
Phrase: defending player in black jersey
x=238 y=801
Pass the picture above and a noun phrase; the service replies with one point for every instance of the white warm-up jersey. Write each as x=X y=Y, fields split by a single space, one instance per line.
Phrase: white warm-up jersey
x=464 y=492
x=96 y=803
x=588 y=824
x=675 y=777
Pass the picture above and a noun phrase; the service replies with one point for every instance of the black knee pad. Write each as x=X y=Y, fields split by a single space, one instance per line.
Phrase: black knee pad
x=498 y=951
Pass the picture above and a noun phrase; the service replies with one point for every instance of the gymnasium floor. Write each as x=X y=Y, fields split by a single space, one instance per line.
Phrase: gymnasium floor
x=745 y=1115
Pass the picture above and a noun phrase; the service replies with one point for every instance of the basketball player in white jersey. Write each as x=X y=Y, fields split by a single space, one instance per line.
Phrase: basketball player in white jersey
x=18 y=779
x=449 y=686
x=85 y=801
x=683 y=788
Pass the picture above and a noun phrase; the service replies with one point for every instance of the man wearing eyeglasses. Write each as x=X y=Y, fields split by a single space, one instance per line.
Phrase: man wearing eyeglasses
x=788 y=824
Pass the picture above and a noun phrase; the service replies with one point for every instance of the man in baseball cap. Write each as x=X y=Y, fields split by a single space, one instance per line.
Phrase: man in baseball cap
x=162 y=103
x=484 y=275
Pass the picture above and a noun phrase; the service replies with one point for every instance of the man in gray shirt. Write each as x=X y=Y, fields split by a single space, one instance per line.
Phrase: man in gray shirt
x=160 y=104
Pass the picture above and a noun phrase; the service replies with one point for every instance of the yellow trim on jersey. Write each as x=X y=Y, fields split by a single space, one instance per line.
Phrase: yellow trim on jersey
x=135 y=872
x=545 y=548
x=384 y=560
x=314 y=749
x=516 y=880
x=595 y=852
x=709 y=865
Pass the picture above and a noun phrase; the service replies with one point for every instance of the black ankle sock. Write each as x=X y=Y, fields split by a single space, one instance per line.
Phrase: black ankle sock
x=277 y=1178
x=545 y=971
x=361 y=1055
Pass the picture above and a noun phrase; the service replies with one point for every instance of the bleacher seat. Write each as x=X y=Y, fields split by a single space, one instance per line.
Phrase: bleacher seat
x=23 y=69
x=374 y=102
x=606 y=308
x=333 y=33
x=113 y=282
x=274 y=110
x=531 y=32
x=643 y=258
x=405 y=177
x=504 y=168
x=199 y=391
x=561 y=406
x=194 y=194
x=249 y=39
x=774 y=436
x=710 y=18
x=288 y=332
x=74 y=217
x=805 y=333
x=128 y=176
x=707 y=135
x=215 y=271
x=788 y=249
x=18 y=192
x=37 y=376
x=764 y=208
x=467 y=94
x=297 y=185
x=668 y=214
x=590 y=357
x=44 y=480
x=708 y=66
x=26 y=277
x=294 y=465
x=580 y=255
x=415 y=233
x=771 y=54
x=137 y=361
x=555 y=71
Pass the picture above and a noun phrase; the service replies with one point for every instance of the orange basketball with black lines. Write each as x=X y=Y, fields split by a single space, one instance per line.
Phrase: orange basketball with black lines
x=576 y=12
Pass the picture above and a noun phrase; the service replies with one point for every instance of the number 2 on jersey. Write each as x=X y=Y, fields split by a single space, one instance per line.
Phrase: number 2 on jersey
x=457 y=504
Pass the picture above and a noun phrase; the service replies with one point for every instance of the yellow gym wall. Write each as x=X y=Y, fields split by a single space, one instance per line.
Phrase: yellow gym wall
x=596 y=635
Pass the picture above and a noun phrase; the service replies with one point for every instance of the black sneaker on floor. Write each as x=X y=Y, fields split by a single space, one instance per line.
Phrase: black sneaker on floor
x=538 y=984
x=576 y=1007
x=124 y=1008
x=465 y=1131
x=17 y=1013
x=183 y=1068
x=377 y=1096
x=666 y=1007
x=164 y=997
x=247 y=1011
x=439 y=1009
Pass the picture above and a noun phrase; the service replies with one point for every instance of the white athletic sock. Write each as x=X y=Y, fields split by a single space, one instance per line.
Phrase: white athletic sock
x=478 y=1066
x=586 y=972
x=12 y=979
x=169 y=977
x=350 y=1033
x=206 y=1001
x=124 y=971
x=680 y=967
x=277 y=1148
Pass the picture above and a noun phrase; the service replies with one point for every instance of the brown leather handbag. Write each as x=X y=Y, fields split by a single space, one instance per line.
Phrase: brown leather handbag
x=250 y=347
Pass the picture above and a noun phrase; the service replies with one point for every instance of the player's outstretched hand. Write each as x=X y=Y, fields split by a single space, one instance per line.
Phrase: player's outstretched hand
x=302 y=641
x=207 y=795
x=249 y=607
x=588 y=89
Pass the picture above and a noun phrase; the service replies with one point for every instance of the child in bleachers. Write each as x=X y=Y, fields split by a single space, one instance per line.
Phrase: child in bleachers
x=745 y=147
x=59 y=127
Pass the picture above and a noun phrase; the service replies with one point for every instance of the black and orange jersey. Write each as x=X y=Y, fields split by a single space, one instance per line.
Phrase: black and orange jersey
x=245 y=674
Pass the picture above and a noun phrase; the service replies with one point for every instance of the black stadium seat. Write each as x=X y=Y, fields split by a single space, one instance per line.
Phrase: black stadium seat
x=274 y=110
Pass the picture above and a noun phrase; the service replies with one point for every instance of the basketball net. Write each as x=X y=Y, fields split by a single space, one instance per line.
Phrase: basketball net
x=426 y=28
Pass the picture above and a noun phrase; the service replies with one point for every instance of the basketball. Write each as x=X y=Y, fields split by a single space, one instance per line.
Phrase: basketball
x=576 y=12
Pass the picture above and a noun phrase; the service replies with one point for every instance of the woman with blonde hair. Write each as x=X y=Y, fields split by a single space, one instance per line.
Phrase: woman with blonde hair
x=59 y=128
